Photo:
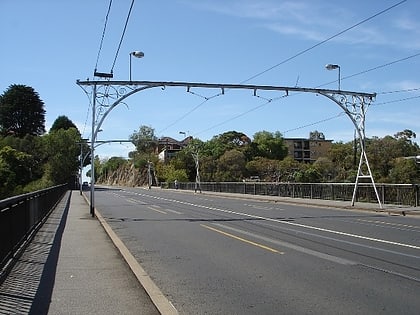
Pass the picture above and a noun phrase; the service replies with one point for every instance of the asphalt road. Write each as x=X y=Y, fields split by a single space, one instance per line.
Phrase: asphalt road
x=218 y=255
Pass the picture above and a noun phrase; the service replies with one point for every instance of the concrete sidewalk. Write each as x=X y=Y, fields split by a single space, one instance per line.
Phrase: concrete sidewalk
x=72 y=267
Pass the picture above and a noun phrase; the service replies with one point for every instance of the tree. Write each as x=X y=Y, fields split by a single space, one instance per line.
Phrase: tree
x=231 y=166
x=266 y=169
x=405 y=171
x=230 y=140
x=63 y=151
x=15 y=171
x=169 y=174
x=62 y=122
x=269 y=145
x=21 y=112
x=342 y=156
x=144 y=139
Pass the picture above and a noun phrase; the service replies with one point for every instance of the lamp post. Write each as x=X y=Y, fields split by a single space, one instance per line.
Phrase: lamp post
x=137 y=54
x=333 y=67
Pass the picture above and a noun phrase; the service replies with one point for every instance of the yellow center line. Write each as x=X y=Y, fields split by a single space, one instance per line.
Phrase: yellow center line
x=242 y=239
x=157 y=210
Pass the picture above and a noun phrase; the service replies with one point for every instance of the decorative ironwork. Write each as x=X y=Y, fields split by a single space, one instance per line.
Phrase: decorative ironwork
x=108 y=94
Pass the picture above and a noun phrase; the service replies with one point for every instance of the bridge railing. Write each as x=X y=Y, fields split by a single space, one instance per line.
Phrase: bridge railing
x=20 y=215
x=395 y=194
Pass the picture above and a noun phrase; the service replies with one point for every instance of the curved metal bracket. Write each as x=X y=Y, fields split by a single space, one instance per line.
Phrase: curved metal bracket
x=355 y=107
x=354 y=104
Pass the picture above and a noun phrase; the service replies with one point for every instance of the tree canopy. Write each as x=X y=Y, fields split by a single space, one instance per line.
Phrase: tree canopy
x=62 y=122
x=233 y=156
x=21 y=112
x=30 y=159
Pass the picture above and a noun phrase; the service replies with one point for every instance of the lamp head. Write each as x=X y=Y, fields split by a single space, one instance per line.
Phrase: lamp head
x=331 y=66
x=137 y=54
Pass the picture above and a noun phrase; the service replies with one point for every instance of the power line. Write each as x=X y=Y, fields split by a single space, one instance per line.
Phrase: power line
x=350 y=76
x=103 y=34
x=289 y=59
x=315 y=123
x=324 y=41
x=400 y=91
x=381 y=66
x=122 y=35
x=397 y=101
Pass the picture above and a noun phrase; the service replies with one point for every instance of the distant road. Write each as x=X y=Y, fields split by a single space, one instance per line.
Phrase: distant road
x=217 y=255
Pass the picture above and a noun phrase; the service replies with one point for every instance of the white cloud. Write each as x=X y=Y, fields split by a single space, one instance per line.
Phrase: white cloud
x=318 y=20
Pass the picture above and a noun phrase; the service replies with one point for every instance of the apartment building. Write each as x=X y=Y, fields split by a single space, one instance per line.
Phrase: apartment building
x=310 y=149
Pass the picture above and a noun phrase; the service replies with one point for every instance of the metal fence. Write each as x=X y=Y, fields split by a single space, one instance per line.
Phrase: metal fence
x=395 y=194
x=20 y=215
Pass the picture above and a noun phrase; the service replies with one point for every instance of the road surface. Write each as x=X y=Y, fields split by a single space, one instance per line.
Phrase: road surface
x=218 y=255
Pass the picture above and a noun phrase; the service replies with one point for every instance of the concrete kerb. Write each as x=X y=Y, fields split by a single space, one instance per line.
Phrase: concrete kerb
x=164 y=306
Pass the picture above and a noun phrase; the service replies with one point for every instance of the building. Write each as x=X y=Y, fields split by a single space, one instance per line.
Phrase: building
x=169 y=147
x=308 y=150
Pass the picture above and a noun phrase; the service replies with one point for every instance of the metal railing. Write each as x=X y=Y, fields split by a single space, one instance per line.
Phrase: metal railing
x=20 y=216
x=395 y=194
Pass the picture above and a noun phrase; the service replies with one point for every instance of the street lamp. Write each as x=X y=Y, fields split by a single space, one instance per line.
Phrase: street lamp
x=333 y=67
x=137 y=54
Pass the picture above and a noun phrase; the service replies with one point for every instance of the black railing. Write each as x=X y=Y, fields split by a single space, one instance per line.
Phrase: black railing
x=20 y=215
x=395 y=194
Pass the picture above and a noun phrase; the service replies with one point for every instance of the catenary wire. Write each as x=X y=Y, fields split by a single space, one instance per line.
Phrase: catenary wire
x=103 y=34
x=122 y=35
x=323 y=41
x=287 y=60
x=349 y=76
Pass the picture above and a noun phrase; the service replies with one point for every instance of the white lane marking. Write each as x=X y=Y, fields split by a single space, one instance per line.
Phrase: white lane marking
x=173 y=211
x=157 y=210
x=301 y=249
x=367 y=238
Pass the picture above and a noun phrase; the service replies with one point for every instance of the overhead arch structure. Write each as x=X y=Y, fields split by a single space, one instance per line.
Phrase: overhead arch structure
x=106 y=95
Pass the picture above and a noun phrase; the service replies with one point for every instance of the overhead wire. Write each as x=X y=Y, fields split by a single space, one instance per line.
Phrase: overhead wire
x=289 y=59
x=323 y=41
x=346 y=77
x=97 y=61
x=122 y=35
x=103 y=34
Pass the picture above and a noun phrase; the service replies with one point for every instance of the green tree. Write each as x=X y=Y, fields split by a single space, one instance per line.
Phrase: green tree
x=21 y=112
x=63 y=153
x=404 y=171
x=342 y=156
x=144 y=139
x=308 y=175
x=288 y=168
x=224 y=142
x=169 y=174
x=231 y=166
x=266 y=169
x=269 y=145
x=15 y=171
x=326 y=168
x=62 y=122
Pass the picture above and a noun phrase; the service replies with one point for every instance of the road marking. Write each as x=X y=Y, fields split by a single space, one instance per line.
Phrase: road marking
x=173 y=211
x=242 y=239
x=157 y=210
x=297 y=248
x=390 y=224
x=310 y=227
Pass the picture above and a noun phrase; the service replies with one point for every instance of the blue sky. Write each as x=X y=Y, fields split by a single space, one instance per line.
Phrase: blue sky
x=48 y=45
